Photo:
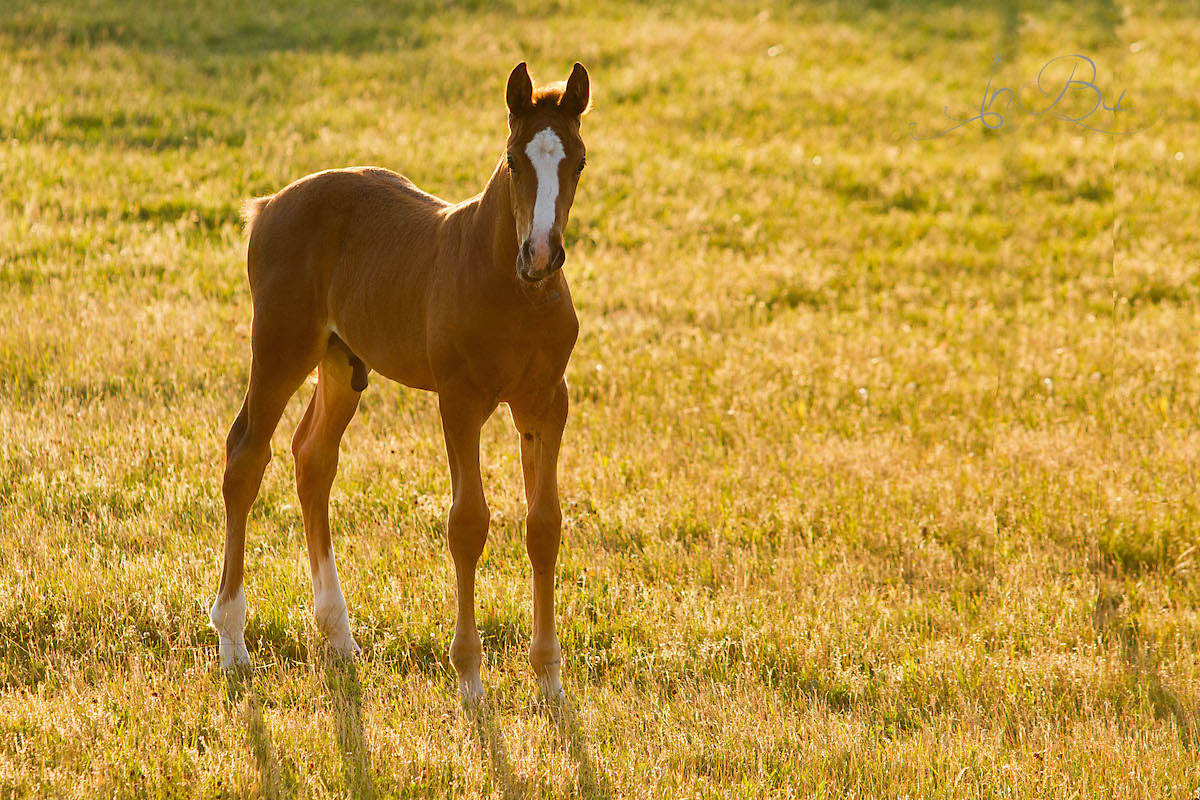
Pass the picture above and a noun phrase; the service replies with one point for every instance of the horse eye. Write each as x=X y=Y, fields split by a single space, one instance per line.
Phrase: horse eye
x=512 y=165
x=582 y=164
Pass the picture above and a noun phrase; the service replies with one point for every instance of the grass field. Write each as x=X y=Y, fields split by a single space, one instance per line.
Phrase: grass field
x=881 y=474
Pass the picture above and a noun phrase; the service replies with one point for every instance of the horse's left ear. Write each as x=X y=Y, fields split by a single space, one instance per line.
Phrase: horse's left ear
x=576 y=98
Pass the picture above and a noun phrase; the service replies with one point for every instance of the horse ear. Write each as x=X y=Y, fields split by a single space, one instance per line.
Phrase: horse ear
x=576 y=97
x=520 y=89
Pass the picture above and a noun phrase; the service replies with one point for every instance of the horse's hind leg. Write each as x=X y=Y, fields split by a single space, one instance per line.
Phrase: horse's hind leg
x=277 y=369
x=315 y=447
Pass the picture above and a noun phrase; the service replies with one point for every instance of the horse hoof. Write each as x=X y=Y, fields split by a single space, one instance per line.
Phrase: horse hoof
x=470 y=690
x=552 y=692
x=346 y=647
x=234 y=656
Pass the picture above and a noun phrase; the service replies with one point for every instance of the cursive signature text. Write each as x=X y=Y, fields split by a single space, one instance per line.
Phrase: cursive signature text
x=992 y=118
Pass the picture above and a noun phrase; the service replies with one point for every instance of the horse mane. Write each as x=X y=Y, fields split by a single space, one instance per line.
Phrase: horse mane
x=550 y=96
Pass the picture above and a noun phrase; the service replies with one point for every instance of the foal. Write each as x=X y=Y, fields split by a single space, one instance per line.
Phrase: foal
x=356 y=270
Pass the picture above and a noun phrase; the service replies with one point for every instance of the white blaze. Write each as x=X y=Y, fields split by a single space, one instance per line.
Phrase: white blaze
x=545 y=152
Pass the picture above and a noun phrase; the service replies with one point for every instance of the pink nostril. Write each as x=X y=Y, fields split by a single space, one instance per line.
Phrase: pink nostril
x=541 y=256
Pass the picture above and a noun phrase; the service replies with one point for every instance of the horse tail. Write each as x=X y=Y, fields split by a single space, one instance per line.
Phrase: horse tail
x=251 y=209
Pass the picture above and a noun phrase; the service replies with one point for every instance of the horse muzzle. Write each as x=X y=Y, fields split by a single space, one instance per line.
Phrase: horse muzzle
x=532 y=269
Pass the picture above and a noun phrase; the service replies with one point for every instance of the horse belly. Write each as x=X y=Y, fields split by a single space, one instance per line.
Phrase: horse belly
x=383 y=323
x=393 y=353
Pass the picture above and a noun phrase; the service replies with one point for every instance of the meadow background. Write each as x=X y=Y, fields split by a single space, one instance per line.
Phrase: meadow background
x=881 y=473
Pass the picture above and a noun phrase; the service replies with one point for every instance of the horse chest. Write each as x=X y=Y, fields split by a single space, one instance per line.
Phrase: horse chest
x=516 y=354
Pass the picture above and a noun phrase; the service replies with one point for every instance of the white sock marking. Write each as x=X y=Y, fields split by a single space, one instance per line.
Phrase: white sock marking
x=329 y=607
x=229 y=618
x=545 y=152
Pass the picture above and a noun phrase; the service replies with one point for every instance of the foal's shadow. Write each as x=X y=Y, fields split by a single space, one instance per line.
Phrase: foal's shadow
x=345 y=694
x=277 y=777
x=571 y=735
x=490 y=739
x=568 y=735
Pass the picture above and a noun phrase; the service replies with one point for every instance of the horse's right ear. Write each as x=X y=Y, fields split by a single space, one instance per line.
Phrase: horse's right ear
x=520 y=89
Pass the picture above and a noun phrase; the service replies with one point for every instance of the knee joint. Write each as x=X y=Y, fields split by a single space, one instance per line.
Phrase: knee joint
x=543 y=532
x=242 y=467
x=311 y=461
x=467 y=527
x=542 y=521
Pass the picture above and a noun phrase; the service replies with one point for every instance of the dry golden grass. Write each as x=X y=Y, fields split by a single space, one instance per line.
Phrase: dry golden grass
x=880 y=479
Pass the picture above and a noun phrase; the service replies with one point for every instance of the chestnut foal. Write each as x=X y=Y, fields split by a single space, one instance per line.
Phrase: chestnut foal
x=357 y=269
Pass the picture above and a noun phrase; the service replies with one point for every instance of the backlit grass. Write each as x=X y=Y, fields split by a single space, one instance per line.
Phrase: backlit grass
x=880 y=476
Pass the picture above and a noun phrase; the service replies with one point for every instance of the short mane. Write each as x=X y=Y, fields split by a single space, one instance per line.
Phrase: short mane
x=550 y=96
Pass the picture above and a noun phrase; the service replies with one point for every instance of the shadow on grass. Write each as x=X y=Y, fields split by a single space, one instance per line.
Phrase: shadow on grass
x=345 y=695
x=1115 y=621
x=489 y=737
x=200 y=32
x=589 y=781
x=568 y=734
x=277 y=777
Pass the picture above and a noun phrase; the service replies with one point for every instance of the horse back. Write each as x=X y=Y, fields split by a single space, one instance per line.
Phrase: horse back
x=354 y=250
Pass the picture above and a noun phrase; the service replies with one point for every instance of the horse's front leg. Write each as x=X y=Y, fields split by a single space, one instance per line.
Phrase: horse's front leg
x=466 y=531
x=540 y=423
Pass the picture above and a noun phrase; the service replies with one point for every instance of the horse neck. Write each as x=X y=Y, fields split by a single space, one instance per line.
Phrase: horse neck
x=492 y=235
x=494 y=229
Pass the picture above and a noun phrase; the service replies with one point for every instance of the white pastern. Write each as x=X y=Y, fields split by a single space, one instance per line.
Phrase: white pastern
x=470 y=689
x=329 y=607
x=551 y=685
x=545 y=152
x=229 y=619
